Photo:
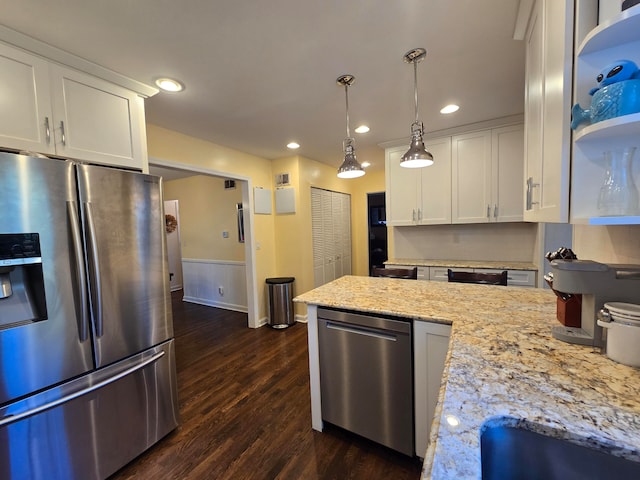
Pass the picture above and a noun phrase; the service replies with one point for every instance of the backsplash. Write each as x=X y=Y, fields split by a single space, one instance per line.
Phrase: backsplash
x=498 y=241
x=607 y=244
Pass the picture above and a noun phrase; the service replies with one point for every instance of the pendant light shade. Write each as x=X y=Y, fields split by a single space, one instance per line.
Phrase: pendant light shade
x=350 y=167
x=417 y=156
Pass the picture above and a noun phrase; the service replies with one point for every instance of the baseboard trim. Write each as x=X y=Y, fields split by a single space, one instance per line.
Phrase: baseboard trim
x=209 y=303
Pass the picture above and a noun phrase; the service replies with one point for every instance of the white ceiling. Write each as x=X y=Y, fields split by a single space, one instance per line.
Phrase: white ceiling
x=260 y=73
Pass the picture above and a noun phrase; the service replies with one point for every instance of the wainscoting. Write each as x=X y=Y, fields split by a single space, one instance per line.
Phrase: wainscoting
x=216 y=283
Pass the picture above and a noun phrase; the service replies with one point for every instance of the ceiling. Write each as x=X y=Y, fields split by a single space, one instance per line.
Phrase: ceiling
x=260 y=74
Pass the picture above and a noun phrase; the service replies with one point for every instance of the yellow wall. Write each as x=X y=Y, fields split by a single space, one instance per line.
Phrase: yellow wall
x=173 y=146
x=207 y=209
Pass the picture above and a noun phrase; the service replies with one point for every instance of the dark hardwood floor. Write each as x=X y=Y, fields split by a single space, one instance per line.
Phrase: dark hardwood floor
x=246 y=412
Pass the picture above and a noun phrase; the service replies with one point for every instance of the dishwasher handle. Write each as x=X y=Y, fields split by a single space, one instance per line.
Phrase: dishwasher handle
x=361 y=331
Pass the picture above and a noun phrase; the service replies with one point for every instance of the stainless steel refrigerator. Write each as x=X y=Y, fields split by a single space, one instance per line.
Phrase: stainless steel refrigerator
x=87 y=367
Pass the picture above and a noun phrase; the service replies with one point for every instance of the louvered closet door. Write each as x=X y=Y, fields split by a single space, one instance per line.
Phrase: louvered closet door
x=318 y=237
x=331 y=229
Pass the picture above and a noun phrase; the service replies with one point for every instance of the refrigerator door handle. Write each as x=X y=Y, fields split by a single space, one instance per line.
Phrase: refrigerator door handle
x=76 y=236
x=96 y=290
x=67 y=398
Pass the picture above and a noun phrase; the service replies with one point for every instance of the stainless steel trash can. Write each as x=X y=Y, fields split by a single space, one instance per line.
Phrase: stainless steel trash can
x=281 y=314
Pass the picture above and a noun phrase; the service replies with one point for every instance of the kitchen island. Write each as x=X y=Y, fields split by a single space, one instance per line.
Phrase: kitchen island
x=503 y=367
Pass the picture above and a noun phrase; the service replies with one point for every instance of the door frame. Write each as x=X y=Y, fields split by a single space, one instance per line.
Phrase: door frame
x=249 y=236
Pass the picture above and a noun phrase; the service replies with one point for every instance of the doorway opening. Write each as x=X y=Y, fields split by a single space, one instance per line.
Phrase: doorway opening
x=377 y=222
x=168 y=169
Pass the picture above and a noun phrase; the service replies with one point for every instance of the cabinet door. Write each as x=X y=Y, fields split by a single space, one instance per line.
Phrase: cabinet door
x=402 y=197
x=549 y=61
x=338 y=227
x=96 y=120
x=346 y=233
x=471 y=177
x=435 y=184
x=507 y=151
x=430 y=346
x=317 y=229
x=26 y=121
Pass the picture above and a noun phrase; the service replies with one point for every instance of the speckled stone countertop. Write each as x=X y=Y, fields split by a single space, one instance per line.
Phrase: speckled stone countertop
x=503 y=367
x=505 y=265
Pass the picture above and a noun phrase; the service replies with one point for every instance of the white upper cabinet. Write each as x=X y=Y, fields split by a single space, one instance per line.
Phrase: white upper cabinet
x=487 y=172
x=27 y=119
x=615 y=39
x=419 y=196
x=56 y=110
x=471 y=162
x=96 y=120
x=549 y=60
x=507 y=167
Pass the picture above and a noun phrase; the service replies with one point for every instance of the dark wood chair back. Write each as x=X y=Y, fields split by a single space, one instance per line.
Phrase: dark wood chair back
x=478 y=277
x=409 y=273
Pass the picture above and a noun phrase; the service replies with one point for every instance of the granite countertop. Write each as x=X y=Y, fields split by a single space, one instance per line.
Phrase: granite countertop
x=500 y=264
x=504 y=367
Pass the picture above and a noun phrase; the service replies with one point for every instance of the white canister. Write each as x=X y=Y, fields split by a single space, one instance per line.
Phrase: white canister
x=623 y=342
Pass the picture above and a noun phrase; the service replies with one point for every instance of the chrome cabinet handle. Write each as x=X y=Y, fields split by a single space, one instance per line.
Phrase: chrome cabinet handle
x=419 y=214
x=530 y=186
x=64 y=137
x=47 y=130
x=488 y=211
x=495 y=211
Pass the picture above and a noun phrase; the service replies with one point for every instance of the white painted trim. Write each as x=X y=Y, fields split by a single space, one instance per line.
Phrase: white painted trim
x=160 y=162
x=215 y=262
x=314 y=368
x=210 y=303
x=302 y=319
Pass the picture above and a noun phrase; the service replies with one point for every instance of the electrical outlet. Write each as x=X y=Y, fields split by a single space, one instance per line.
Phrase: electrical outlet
x=225 y=234
x=221 y=291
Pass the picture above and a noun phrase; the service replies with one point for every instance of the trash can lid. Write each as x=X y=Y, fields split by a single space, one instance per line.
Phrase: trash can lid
x=280 y=280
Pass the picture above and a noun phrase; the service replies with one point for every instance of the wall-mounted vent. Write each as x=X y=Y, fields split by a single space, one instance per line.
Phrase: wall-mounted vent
x=282 y=179
x=229 y=184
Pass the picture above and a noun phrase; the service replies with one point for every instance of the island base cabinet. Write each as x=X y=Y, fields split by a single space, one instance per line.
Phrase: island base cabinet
x=430 y=346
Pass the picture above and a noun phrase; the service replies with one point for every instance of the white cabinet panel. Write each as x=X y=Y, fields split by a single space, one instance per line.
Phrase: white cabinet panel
x=25 y=102
x=430 y=346
x=507 y=160
x=95 y=120
x=419 y=196
x=471 y=164
x=549 y=62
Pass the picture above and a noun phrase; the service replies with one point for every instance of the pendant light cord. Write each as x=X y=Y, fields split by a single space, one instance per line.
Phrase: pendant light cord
x=346 y=97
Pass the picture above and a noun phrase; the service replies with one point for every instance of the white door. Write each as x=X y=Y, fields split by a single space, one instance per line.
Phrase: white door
x=173 y=244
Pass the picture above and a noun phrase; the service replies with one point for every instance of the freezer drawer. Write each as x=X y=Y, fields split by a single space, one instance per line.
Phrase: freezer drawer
x=366 y=376
x=92 y=426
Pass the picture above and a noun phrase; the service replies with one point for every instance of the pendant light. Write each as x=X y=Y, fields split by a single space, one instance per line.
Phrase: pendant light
x=350 y=167
x=417 y=156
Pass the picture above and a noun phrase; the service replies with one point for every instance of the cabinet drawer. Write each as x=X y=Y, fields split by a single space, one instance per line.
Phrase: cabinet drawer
x=439 y=274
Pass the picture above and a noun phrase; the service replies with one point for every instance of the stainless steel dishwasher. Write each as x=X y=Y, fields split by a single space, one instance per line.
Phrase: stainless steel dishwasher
x=366 y=377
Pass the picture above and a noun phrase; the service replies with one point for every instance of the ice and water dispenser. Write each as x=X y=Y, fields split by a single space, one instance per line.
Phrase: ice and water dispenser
x=22 y=296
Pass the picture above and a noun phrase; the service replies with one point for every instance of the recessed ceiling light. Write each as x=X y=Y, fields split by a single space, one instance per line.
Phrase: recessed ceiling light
x=362 y=129
x=449 y=109
x=293 y=145
x=365 y=164
x=169 y=85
